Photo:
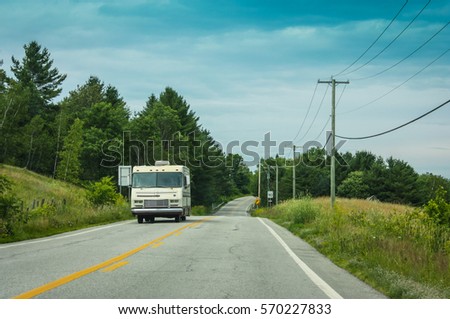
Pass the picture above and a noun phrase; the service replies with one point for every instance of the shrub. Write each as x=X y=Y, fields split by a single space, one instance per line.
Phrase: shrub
x=103 y=192
x=10 y=210
x=438 y=208
x=303 y=211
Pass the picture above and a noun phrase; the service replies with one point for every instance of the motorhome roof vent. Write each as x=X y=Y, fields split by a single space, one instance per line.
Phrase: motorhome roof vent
x=162 y=163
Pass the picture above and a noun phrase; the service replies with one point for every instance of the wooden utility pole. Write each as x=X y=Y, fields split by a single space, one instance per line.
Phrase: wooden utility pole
x=293 y=175
x=333 y=83
x=276 y=184
x=259 y=179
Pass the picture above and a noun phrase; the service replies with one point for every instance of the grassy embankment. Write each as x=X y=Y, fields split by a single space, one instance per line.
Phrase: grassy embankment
x=58 y=207
x=397 y=249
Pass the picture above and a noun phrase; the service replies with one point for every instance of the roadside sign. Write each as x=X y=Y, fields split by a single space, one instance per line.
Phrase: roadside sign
x=124 y=175
x=269 y=194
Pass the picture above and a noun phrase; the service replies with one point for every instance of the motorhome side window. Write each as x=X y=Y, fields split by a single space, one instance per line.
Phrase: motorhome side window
x=157 y=179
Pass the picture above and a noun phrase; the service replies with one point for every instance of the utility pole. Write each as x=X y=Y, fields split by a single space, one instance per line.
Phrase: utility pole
x=276 y=184
x=333 y=83
x=269 y=200
x=259 y=179
x=293 y=174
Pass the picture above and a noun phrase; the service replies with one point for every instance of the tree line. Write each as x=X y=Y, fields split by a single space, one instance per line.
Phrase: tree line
x=359 y=175
x=89 y=132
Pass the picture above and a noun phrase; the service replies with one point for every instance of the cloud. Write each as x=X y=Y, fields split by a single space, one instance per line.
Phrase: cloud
x=249 y=67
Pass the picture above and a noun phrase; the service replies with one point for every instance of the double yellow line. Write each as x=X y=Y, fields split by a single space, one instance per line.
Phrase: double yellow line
x=64 y=280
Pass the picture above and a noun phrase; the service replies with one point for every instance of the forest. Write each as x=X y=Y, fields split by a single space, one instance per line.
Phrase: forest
x=85 y=136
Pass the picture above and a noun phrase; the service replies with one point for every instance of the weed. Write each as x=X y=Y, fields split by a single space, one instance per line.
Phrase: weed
x=398 y=249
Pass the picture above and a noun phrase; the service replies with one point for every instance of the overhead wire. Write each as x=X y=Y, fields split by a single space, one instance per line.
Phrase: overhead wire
x=315 y=116
x=405 y=58
x=395 y=128
x=329 y=118
x=390 y=43
x=376 y=40
x=307 y=112
x=396 y=87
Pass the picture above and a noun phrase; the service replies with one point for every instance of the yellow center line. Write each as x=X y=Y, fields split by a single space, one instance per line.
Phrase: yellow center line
x=115 y=266
x=64 y=280
x=155 y=245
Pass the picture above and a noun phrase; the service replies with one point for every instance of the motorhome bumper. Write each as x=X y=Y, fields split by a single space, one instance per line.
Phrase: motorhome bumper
x=157 y=212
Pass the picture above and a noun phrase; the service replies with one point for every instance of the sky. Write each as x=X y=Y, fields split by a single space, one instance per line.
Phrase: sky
x=250 y=68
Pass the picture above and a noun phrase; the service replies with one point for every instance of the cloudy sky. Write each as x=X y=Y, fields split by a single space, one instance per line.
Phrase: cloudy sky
x=249 y=67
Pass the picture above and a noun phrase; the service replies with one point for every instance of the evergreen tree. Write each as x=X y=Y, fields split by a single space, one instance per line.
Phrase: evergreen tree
x=36 y=72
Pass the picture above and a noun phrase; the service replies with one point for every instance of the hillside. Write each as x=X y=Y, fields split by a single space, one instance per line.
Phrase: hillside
x=30 y=186
x=48 y=206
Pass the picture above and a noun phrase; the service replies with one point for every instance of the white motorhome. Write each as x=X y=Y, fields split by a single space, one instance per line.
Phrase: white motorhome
x=162 y=190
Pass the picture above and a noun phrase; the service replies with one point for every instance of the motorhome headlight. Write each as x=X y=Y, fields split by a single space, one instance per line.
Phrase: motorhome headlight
x=174 y=202
x=138 y=201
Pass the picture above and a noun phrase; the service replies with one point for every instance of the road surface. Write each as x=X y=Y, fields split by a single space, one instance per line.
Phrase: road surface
x=227 y=255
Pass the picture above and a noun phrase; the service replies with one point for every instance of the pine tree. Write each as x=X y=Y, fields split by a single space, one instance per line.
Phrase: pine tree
x=36 y=73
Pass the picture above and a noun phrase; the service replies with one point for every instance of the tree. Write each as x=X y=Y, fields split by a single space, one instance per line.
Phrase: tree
x=401 y=182
x=362 y=161
x=240 y=173
x=69 y=167
x=427 y=186
x=105 y=116
x=37 y=73
x=353 y=186
x=33 y=130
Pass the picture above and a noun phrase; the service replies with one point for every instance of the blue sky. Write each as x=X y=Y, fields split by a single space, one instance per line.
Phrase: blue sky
x=251 y=67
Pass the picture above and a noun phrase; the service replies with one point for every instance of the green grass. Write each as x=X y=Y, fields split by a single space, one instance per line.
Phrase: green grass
x=200 y=211
x=64 y=208
x=397 y=249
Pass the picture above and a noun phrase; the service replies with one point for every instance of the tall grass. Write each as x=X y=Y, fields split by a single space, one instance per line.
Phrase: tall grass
x=51 y=206
x=397 y=249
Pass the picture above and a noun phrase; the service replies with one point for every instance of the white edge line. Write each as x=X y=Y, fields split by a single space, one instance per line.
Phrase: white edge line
x=37 y=241
x=319 y=282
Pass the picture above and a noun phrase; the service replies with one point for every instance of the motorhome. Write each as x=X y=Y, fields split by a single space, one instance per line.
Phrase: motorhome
x=162 y=190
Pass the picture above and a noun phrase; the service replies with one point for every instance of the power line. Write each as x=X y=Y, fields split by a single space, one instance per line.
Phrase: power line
x=329 y=118
x=407 y=57
x=390 y=43
x=307 y=112
x=398 y=86
x=315 y=116
x=395 y=128
x=376 y=40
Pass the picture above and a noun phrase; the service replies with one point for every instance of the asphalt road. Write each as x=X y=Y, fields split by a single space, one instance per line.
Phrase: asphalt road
x=228 y=255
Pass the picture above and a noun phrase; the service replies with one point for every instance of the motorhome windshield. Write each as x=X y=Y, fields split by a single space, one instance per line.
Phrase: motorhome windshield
x=157 y=179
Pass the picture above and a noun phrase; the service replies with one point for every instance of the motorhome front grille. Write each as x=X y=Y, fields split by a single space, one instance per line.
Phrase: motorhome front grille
x=156 y=203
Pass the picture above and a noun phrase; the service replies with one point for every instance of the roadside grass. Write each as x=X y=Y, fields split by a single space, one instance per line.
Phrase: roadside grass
x=50 y=206
x=200 y=211
x=397 y=249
